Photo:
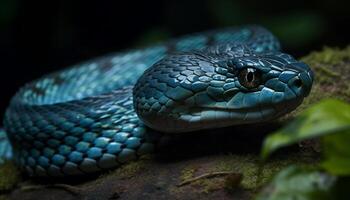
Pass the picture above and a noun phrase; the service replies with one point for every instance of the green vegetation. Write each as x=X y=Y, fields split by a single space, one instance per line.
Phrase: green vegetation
x=244 y=172
x=330 y=121
x=298 y=183
x=188 y=173
x=133 y=168
x=328 y=56
x=327 y=117
x=253 y=173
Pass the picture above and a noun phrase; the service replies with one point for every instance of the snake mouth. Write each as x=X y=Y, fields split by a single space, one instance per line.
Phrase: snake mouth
x=218 y=117
x=259 y=113
x=265 y=106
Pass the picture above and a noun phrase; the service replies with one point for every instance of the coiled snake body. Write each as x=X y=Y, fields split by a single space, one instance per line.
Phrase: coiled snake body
x=104 y=112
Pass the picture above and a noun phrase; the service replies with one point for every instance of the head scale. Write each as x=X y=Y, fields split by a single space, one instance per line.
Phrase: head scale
x=220 y=86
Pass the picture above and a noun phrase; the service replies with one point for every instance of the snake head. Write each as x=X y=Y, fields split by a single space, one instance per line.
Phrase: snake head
x=220 y=86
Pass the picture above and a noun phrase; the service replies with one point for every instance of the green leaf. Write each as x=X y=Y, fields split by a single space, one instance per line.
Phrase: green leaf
x=299 y=184
x=336 y=152
x=327 y=117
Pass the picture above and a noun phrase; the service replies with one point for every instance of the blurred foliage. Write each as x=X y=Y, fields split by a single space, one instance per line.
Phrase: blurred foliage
x=296 y=29
x=327 y=117
x=330 y=120
x=336 y=151
x=299 y=184
x=293 y=28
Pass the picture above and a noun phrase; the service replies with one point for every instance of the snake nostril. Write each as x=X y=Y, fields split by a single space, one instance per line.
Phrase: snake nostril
x=298 y=83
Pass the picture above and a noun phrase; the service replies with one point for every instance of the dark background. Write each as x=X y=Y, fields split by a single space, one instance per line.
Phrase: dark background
x=40 y=37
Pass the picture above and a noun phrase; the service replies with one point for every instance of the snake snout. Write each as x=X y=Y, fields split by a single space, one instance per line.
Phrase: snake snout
x=301 y=83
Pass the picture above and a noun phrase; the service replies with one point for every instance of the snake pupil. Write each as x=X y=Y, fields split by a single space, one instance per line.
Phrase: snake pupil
x=249 y=78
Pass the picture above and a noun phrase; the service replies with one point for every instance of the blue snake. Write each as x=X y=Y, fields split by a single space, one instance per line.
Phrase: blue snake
x=104 y=112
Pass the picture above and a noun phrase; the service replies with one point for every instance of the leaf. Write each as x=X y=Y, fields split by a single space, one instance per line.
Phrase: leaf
x=327 y=117
x=299 y=183
x=336 y=153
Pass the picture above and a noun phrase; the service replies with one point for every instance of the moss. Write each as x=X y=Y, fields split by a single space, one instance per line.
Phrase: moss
x=244 y=164
x=328 y=56
x=206 y=185
x=10 y=176
x=248 y=172
x=254 y=173
x=187 y=173
x=131 y=169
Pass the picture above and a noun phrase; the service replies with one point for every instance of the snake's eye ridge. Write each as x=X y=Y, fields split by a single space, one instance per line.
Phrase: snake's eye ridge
x=249 y=78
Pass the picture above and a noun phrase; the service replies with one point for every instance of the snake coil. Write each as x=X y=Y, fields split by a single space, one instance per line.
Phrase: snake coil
x=99 y=114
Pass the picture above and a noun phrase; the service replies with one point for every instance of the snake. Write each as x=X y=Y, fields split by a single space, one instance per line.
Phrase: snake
x=110 y=110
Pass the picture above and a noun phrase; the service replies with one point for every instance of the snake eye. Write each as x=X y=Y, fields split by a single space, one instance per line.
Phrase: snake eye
x=249 y=78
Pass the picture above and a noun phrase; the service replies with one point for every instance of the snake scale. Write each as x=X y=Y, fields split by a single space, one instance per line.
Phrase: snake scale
x=104 y=112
